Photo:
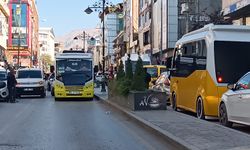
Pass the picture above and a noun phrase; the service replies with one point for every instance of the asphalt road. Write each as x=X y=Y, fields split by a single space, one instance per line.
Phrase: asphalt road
x=35 y=123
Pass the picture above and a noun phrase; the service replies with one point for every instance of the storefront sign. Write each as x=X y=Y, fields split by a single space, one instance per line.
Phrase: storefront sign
x=236 y=6
x=16 y=48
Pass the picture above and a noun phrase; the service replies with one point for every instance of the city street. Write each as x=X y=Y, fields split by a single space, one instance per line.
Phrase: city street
x=35 y=123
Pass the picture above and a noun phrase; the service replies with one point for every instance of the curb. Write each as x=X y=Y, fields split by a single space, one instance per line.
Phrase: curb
x=179 y=143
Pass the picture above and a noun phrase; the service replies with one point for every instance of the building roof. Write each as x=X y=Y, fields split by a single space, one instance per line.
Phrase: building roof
x=44 y=29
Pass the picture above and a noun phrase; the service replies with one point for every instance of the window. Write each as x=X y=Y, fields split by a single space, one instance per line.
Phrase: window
x=153 y=72
x=190 y=57
x=244 y=83
x=29 y=74
x=231 y=60
x=146 y=38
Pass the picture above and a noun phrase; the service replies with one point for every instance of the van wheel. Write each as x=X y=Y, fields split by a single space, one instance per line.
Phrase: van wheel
x=174 y=105
x=223 y=116
x=200 y=109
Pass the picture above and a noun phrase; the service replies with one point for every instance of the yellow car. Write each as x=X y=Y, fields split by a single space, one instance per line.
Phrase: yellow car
x=154 y=71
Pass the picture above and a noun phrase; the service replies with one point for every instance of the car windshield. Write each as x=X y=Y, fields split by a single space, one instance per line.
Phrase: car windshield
x=231 y=59
x=74 y=71
x=135 y=62
x=153 y=72
x=29 y=74
x=3 y=75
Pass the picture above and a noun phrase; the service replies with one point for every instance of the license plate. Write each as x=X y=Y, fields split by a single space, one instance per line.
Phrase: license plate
x=74 y=92
x=28 y=89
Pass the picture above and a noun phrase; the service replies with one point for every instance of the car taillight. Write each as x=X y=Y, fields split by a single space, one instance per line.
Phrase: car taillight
x=220 y=79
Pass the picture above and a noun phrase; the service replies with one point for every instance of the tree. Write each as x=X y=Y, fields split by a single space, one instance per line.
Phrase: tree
x=129 y=71
x=120 y=72
x=138 y=83
x=46 y=61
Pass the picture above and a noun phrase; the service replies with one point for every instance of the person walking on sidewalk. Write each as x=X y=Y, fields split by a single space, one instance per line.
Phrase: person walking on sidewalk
x=11 y=84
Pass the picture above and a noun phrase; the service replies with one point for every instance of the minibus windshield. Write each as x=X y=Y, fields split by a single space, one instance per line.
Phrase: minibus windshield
x=231 y=60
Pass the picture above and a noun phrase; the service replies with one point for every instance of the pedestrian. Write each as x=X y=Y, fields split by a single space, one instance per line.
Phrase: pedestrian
x=11 y=84
x=147 y=79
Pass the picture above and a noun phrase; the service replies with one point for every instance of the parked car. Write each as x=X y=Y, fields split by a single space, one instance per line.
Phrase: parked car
x=30 y=81
x=234 y=105
x=162 y=84
x=154 y=71
x=3 y=84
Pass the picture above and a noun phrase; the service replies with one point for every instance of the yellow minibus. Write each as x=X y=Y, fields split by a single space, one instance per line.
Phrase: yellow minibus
x=205 y=61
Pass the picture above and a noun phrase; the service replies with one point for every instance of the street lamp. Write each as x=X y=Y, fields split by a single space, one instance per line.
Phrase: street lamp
x=83 y=36
x=100 y=6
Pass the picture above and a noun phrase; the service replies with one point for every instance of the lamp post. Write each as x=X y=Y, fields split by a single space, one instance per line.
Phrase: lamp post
x=83 y=36
x=18 y=12
x=100 y=6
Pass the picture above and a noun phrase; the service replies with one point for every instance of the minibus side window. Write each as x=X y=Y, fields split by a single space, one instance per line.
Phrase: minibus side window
x=191 y=57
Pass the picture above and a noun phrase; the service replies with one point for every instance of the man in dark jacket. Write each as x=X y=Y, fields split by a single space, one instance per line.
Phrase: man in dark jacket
x=11 y=84
x=147 y=78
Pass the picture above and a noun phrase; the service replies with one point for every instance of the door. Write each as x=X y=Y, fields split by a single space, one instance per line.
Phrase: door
x=239 y=101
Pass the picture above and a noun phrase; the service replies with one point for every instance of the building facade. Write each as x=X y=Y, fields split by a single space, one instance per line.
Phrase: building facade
x=113 y=23
x=4 y=21
x=165 y=29
x=238 y=11
x=23 y=33
x=47 y=42
x=131 y=25
x=194 y=14
x=145 y=26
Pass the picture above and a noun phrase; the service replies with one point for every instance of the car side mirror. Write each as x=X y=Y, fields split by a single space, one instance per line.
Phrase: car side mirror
x=231 y=86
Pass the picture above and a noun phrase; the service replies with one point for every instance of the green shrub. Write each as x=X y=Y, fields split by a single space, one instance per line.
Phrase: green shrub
x=120 y=72
x=129 y=71
x=138 y=82
x=124 y=86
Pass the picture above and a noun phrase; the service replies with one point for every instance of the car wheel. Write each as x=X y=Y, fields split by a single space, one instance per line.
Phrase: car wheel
x=43 y=95
x=223 y=116
x=174 y=104
x=200 y=109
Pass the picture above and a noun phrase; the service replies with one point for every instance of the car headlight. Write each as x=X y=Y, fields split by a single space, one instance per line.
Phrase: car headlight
x=41 y=82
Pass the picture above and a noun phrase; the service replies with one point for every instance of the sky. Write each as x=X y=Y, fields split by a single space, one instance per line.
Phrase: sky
x=65 y=16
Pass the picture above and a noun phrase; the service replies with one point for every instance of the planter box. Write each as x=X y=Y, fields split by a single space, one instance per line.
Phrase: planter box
x=147 y=100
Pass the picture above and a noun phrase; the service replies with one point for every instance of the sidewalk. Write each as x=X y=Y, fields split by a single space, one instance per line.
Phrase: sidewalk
x=188 y=131
x=101 y=95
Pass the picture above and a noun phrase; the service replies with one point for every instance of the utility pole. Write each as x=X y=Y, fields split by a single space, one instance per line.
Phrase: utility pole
x=97 y=6
x=84 y=36
x=103 y=41
x=151 y=29
x=161 y=34
x=19 y=9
